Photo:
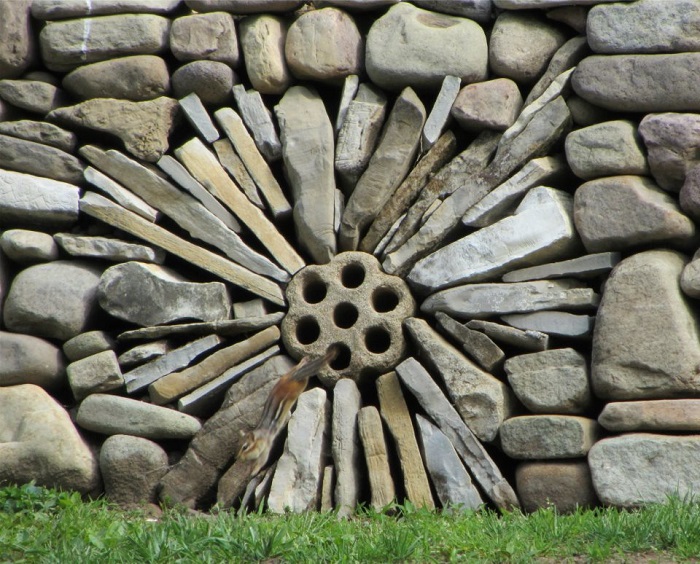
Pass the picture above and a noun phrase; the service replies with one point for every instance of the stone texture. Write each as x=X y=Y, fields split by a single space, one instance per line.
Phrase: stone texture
x=452 y=483
x=39 y=160
x=546 y=437
x=168 y=296
x=606 y=149
x=671 y=140
x=420 y=60
x=521 y=46
x=119 y=194
x=243 y=6
x=259 y=121
x=476 y=344
x=114 y=415
x=131 y=468
x=306 y=130
x=638 y=469
x=106 y=248
x=136 y=78
x=345 y=446
x=564 y=485
x=395 y=414
x=553 y=381
x=30 y=360
x=34 y=96
x=554 y=323
x=60 y=9
x=525 y=340
x=482 y=401
x=199 y=119
x=210 y=80
x=143 y=127
x=296 y=485
x=263 y=37
x=18 y=49
x=143 y=353
x=663 y=416
x=72 y=286
x=87 y=344
x=645 y=349
x=624 y=28
x=689 y=196
x=388 y=166
x=38 y=442
x=622 y=212
x=68 y=44
x=94 y=374
x=376 y=457
x=494 y=104
x=587 y=266
x=478 y=10
x=640 y=83
x=28 y=247
x=210 y=36
x=324 y=45
x=690 y=277
x=41 y=132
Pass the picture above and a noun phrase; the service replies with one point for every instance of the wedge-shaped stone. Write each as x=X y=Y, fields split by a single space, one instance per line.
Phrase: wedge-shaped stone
x=485 y=300
x=307 y=150
x=345 y=446
x=587 y=266
x=233 y=126
x=542 y=229
x=532 y=437
x=197 y=115
x=646 y=349
x=114 y=415
x=623 y=212
x=107 y=248
x=143 y=127
x=451 y=481
x=258 y=120
x=663 y=416
x=394 y=412
x=381 y=482
x=68 y=44
x=39 y=160
x=28 y=200
x=482 y=400
x=554 y=323
x=234 y=165
x=105 y=210
x=41 y=132
x=122 y=196
x=386 y=170
x=554 y=381
x=351 y=83
x=204 y=166
x=476 y=344
x=470 y=450
x=189 y=213
x=526 y=340
x=639 y=469
x=297 y=482
x=440 y=113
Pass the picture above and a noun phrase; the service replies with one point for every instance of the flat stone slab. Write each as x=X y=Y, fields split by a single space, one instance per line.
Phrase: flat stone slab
x=59 y=9
x=115 y=415
x=638 y=469
x=376 y=453
x=587 y=266
x=345 y=446
x=679 y=415
x=554 y=323
x=39 y=160
x=526 y=340
x=106 y=248
x=476 y=344
x=548 y=437
x=41 y=132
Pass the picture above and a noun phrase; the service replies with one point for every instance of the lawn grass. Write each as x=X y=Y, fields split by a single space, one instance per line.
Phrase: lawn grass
x=38 y=525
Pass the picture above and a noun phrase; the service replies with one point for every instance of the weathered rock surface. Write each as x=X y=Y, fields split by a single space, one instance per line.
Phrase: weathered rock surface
x=548 y=436
x=210 y=80
x=209 y=36
x=34 y=96
x=345 y=446
x=60 y=9
x=565 y=485
x=494 y=104
x=96 y=373
x=476 y=344
x=637 y=469
x=131 y=468
x=645 y=349
x=374 y=445
x=259 y=121
x=107 y=248
x=677 y=415
x=39 y=160
x=525 y=340
x=41 y=132
x=554 y=323
x=18 y=49
x=587 y=266
x=28 y=247
x=30 y=360
x=38 y=442
x=263 y=37
x=72 y=286
x=87 y=344
x=420 y=59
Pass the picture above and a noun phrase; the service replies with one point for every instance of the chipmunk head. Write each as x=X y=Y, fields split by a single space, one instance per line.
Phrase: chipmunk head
x=253 y=446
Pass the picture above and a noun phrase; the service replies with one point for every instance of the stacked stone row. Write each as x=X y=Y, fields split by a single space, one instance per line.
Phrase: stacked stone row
x=166 y=167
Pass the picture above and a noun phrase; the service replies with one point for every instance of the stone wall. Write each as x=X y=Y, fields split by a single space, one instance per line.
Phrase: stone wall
x=487 y=205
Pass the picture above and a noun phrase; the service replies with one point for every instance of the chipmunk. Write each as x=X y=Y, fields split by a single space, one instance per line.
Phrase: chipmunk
x=257 y=443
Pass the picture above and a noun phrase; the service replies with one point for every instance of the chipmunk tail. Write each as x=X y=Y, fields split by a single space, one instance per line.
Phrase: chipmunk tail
x=332 y=352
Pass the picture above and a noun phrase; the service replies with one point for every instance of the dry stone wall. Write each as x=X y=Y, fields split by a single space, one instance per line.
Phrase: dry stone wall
x=488 y=205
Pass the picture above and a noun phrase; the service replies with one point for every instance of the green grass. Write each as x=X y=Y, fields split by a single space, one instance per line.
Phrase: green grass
x=38 y=525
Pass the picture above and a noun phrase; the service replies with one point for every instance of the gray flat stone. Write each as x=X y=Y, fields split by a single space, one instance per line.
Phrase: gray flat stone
x=41 y=132
x=526 y=340
x=548 y=437
x=663 y=416
x=258 y=119
x=587 y=266
x=39 y=160
x=350 y=85
x=143 y=353
x=554 y=323
x=94 y=374
x=243 y=6
x=107 y=248
x=476 y=344
x=440 y=113
x=118 y=193
x=197 y=115
x=59 y=9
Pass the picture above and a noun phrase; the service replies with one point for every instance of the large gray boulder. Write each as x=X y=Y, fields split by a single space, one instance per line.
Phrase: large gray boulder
x=30 y=360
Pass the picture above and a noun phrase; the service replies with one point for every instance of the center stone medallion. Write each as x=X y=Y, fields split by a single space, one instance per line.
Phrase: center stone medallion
x=352 y=303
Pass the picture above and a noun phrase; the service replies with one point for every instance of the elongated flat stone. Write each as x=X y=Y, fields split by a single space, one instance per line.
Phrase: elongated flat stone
x=41 y=132
x=502 y=199
x=258 y=119
x=125 y=198
x=484 y=300
x=452 y=482
x=386 y=170
x=233 y=126
x=587 y=266
x=541 y=229
x=376 y=456
x=350 y=86
x=177 y=384
x=672 y=415
x=440 y=113
x=60 y=9
x=143 y=353
x=105 y=210
x=345 y=445
x=197 y=115
x=395 y=414
x=485 y=471
x=34 y=96
x=554 y=323
x=482 y=400
x=178 y=358
x=39 y=160
x=526 y=340
x=108 y=248
x=306 y=130
x=476 y=344
x=231 y=161
x=546 y=437
x=204 y=166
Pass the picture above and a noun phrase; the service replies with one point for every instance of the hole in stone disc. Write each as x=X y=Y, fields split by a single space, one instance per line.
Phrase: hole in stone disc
x=377 y=340
x=308 y=330
x=342 y=361
x=352 y=275
x=345 y=315
x=384 y=300
x=314 y=291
